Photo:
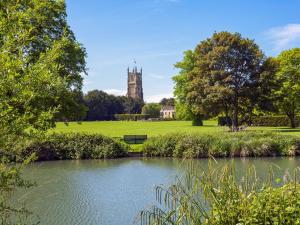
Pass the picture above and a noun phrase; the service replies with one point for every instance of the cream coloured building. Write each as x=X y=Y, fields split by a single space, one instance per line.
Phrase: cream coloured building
x=167 y=112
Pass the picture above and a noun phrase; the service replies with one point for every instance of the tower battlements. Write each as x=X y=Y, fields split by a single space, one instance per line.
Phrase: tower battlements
x=134 y=83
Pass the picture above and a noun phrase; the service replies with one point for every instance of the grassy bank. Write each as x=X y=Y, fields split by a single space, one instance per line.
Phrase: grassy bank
x=242 y=144
x=120 y=128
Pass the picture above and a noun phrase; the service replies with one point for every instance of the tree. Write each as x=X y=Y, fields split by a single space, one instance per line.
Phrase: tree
x=102 y=106
x=263 y=100
x=131 y=105
x=183 y=110
x=288 y=76
x=152 y=109
x=40 y=68
x=37 y=25
x=167 y=102
x=225 y=75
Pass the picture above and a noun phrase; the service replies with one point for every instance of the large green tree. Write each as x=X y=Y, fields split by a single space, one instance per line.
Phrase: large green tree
x=40 y=67
x=152 y=109
x=226 y=74
x=31 y=28
x=102 y=106
x=288 y=75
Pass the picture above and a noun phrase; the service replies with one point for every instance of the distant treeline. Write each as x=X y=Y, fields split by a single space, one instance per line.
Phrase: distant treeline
x=103 y=106
x=100 y=105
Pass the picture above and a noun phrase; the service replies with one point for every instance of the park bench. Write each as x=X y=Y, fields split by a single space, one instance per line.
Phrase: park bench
x=134 y=139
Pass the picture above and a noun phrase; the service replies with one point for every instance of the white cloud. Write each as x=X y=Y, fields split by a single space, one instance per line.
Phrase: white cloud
x=116 y=92
x=157 y=98
x=285 y=36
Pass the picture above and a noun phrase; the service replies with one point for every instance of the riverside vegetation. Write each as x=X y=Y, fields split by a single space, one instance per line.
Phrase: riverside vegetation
x=218 y=196
x=243 y=144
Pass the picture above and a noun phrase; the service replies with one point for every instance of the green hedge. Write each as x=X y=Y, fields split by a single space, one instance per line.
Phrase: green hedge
x=273 y=121
x=76 y=146
x=241 y=144
x=133 y=117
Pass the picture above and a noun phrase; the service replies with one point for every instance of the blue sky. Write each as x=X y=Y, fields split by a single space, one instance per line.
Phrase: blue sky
x=156 y=32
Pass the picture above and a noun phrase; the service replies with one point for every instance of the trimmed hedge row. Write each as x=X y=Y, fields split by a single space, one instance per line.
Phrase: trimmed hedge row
x=241 y=144
x=267 y=121
x=273 y=121
x=133 y=117
x=76 y=146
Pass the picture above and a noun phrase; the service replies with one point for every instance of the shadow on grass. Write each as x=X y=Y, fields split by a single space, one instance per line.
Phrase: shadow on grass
x=287 y=129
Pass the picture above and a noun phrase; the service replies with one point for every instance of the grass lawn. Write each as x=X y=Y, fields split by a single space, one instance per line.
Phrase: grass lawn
x=120 y=128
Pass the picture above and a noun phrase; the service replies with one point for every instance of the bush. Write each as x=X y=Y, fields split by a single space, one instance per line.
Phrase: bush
x=132 y=117
x=273 y=121
x=218 y=197
x=241 y=144
x=76 y=146
x=197 y=121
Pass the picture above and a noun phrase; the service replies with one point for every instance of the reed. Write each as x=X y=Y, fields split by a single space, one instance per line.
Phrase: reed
x=218 y=196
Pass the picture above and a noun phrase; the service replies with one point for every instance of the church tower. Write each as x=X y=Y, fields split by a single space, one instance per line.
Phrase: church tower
x=135 y=86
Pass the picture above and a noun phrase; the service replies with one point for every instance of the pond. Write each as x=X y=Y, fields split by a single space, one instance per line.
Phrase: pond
x=111 y=192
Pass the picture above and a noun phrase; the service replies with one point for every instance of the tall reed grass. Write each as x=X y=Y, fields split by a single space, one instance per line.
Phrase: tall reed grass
x=217 y=196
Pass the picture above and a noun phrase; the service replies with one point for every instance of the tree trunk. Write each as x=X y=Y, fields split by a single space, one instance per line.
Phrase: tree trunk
x=235 y=121
x=292 y=120
x=228 y=122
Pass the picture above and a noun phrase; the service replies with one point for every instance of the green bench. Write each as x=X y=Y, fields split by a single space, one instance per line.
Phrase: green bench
x=134 y=139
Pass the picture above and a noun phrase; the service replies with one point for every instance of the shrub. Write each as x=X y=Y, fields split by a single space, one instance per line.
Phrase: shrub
x=218 y=197
x=197 y=121
x=273 y=121
x=76 y=146
x=241 y=144
x=161 y=145
x=133 y=117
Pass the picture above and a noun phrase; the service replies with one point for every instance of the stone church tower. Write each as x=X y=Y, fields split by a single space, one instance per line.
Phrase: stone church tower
x=135 y=86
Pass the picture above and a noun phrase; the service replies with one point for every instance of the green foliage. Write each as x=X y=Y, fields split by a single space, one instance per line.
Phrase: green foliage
x=152 y=109
x=167 y=102
x=197 y=121
x=132 y=117
x=219 y=196
x=224 y=121
x=131 y=105
x=103 y=106
x=183 y=110
x=39 y=52
x=244 y=144
x=75 y=146
x=212 y=80
x=274 y=121
x=40 y=65
x=288 y=76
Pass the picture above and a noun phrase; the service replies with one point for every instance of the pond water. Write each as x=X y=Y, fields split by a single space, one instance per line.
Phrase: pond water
x=111 y=192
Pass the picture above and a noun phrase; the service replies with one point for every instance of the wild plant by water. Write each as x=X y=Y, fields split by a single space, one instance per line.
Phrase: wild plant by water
x=219 y=196
x=197 y=145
